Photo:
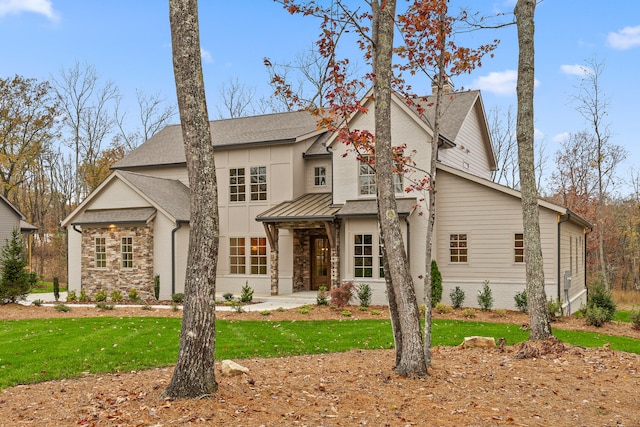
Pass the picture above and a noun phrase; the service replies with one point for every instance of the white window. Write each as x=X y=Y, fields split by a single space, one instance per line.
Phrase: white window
x=100 y=245
x=458 y=248
x=363 y=255
x=126 y=252
x=320 y=176
x=236 y=185
x=367 y=178
x=237 y=255
x=258 y=255
x=258 y=183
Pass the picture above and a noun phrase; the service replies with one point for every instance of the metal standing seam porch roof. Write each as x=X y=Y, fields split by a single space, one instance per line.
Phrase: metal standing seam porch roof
x=319 y=207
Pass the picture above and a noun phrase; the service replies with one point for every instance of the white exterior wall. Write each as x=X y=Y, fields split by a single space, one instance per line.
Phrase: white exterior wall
x=490 y=219
x=309 y=175
x=470 y=153
x=74 y=259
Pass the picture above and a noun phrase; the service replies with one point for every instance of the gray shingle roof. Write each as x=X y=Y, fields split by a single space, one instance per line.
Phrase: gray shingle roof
x=168 y=194
x=166 y=147
x=115 y=216
x=370 y=207
x=454 y=108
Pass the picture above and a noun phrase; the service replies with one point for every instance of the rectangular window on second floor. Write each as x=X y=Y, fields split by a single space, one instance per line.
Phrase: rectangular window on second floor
x=126 y=252
x=367 y=177
x=458 y=248
x=320 y=176
x=100 y=252
x=236 y=185
x=258 y=183
x=518 y=247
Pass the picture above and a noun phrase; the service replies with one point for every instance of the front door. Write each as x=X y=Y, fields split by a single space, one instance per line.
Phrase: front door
x=320 y=262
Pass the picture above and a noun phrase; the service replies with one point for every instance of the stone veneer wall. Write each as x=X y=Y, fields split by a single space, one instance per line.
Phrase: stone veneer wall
x=114 y=276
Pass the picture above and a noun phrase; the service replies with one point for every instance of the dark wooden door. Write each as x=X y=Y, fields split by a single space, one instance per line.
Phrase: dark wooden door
x=320 y=263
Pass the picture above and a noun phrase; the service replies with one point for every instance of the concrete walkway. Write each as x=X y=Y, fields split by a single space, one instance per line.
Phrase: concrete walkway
x=261 y=301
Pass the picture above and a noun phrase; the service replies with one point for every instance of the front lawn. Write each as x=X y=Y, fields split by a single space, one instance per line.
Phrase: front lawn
x=41 y=350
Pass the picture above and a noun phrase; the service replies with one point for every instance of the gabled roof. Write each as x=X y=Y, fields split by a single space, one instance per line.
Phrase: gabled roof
x=169 y=196
x=370 y=207
x=166 y=147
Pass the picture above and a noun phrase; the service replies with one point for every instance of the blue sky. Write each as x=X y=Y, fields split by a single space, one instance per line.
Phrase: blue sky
x=129 y=42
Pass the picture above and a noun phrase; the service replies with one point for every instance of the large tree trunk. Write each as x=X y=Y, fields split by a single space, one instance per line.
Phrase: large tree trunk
x=194 y=374
x=406 y=315
x=539 y=324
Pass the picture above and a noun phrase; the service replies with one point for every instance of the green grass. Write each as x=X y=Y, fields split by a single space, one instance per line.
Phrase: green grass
x=41 y=350
x=45 y=287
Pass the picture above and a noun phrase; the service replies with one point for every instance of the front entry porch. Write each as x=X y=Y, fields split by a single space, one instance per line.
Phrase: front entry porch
x=311 y=221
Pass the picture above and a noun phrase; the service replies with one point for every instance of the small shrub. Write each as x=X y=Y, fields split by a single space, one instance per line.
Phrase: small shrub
x=521 y=301
x=501 y=312
x=133 y=295
x=146 y=307
x=457 y=297
x=156 y=286
x=265 y=312
x=246 y=295
x=554 y=308
x=100 y=296
x=237 y=306
x=15 y=281
x=596 y=316
x=361 y=308
x=37 y=303
x=228 y=296
x=323 y=296
x=600 y=297
x=364 y=295
x=62 y=308
x=174 y=307
x=56 y=288
x=634 y=318
x=116 y=296
x=436 y=284
x=443 y=308
x=485 y=297
x=279 y=309
x=376 y=312
x=469 y=313
x=342 y=294
x=71 y=296
x=177 y=298
x=83 y=296
x=104 y=306
x=345 y=313
x=304 y=310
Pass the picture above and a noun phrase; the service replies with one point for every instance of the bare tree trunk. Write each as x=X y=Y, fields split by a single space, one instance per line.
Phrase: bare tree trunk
x=407 y=315
x=194 y=374
x=539 y=324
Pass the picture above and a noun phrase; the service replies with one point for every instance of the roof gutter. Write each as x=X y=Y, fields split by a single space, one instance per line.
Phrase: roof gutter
x=173 y=255
x=563 y=218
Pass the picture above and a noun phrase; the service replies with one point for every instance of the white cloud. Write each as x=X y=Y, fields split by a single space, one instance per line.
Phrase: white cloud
x=626 y=38
x=44 y=7
x=206 y=55
x=561 y=137
x=499 y=83
x=575 y=70
x=538 y=135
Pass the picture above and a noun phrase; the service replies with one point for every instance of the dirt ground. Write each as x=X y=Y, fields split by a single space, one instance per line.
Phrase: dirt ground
x=561 y=386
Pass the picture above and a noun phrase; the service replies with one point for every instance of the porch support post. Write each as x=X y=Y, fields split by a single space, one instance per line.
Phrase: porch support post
x=332 y=233
x=271 y=229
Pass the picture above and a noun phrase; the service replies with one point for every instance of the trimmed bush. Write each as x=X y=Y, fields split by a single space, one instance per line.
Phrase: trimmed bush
x=521 y=301
x=177 y=298
x=71 y=296
x=364 y=295
x=485 y=297
x=133 y=295
x=457 y=297
x=228 y=296
x=116 y=296
x=56 y=288
x=436 y=284
x=323 y=296
x=246 y=295
x=100 y=296
x=83 y=296
x=156 y=286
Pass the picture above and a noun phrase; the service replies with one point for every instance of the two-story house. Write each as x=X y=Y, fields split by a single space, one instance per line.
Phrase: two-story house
x=298 y=211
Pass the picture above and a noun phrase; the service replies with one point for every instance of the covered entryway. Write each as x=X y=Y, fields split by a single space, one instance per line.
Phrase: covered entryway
x=311 y=221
